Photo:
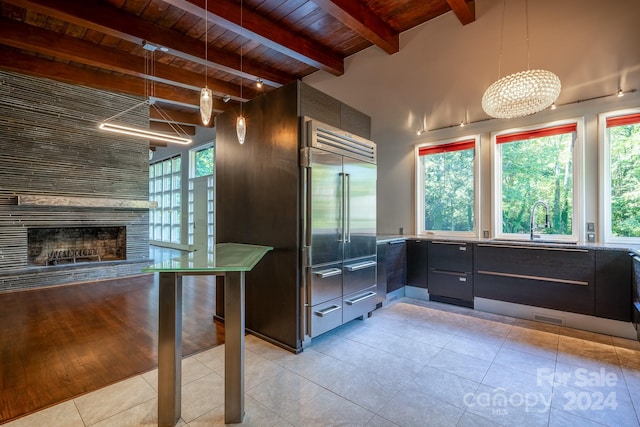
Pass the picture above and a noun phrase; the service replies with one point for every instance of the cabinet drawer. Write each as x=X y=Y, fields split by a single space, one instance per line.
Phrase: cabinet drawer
x=326 y=283
x=451 y=284
x=452 y=256
x=326 y=316
x=359 y=304
x=359 y=275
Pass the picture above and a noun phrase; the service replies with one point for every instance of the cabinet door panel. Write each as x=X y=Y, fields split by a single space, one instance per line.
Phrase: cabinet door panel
x=417 y=263
x=613 y=285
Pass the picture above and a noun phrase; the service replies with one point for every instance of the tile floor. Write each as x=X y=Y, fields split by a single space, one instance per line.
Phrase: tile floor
x=413 y=363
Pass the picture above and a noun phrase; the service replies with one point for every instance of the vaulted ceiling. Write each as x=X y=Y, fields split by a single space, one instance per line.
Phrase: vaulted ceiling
x=163 y=49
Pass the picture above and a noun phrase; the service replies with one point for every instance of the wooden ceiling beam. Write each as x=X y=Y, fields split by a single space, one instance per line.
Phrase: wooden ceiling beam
x=98 y=16
x=50 y=43
x=12 y=60
x=465 y=11
x=167 y=128
x=176 y=116
x=226 y=14
x=363 y=21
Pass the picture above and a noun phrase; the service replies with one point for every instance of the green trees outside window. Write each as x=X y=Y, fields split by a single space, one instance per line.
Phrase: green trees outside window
x=624 y=171
x=204 y=162
x=538 y=169
x=449 y=188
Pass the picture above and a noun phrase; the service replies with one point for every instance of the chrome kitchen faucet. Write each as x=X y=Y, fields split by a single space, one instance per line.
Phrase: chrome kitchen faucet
x=546 y=217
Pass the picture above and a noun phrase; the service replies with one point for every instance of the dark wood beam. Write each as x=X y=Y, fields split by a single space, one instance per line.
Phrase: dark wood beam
x=50 y=43
x=226 y=14
x=360 y=19
x=12 y=60
x=166 y=127
x=98 y=16
x=466 y=12
x=176 y=116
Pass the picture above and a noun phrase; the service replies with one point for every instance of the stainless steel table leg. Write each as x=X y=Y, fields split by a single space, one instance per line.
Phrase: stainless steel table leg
x=234 y=347
x=169 y=349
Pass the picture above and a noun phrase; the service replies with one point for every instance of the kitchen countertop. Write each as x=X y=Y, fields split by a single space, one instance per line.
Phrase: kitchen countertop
x=385 y=238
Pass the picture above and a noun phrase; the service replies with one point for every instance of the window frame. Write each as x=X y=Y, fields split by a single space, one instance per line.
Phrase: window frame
x=578 y=209
x=474 y=233
x=604 y=233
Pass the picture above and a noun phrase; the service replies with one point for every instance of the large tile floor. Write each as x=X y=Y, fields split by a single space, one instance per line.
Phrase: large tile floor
x=413 y=363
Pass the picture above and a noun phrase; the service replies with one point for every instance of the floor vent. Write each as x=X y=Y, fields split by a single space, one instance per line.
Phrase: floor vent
x=548 y=319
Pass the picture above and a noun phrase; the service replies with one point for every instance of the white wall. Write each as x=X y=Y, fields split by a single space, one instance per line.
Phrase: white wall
x=443 y=68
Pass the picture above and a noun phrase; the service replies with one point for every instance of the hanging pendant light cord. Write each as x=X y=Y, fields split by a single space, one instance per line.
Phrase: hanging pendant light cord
x=504 y=7
x=206 y=43
x=526 y=12
x=241 y=44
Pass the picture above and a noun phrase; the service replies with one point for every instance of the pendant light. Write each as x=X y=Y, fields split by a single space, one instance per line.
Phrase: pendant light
x=206 y=97
x=523 y=93
x=241 y=123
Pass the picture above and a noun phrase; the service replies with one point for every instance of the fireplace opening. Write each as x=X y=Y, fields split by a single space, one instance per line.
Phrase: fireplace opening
x=71 y=245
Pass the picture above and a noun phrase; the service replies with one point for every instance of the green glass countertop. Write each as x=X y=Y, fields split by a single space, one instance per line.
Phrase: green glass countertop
x=225 y=257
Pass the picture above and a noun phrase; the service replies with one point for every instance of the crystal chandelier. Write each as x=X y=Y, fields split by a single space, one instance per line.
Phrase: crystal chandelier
x=523 y=93
x=206 y=97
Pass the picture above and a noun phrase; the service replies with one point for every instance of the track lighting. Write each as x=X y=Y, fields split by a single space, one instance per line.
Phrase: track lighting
x=226 y=98
x=620 y=93
x=259 y=83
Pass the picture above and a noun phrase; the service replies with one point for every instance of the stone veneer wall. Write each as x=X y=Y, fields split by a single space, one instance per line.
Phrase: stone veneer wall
x=50 y=146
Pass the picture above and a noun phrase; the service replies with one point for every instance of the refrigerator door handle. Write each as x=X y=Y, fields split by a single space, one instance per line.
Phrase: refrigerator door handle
x=341 y=187
x=324 y=312
x=328 y=273
x=361 y=298
x=361 y=265
x=347 y=201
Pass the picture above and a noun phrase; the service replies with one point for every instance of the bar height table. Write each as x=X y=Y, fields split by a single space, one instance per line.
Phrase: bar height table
x=231 y=260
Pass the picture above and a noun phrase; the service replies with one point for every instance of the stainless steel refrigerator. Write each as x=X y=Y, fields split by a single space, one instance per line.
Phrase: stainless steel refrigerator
x=339 y=227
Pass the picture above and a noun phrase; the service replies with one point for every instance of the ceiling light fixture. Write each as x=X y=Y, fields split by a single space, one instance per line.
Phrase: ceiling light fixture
x=180 y=136
x=226 y=98
x=553 y=106
x=620 y=93
x=241 y=122
x=259 y=83
x=206 y=96
x=522 y=93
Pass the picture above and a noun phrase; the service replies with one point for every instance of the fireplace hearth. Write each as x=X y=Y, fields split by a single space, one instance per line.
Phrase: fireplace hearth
x=71 y=245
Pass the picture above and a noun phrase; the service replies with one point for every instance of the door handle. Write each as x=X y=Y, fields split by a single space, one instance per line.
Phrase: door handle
x=361 y=298
x=324 y=312
x=361 y=265
x=348 y=207
x=328 y=273
x=342 y=186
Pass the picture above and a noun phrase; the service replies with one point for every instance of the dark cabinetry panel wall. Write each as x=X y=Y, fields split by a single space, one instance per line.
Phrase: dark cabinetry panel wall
x=417 y=263
x=258 y=200
x=613 y=293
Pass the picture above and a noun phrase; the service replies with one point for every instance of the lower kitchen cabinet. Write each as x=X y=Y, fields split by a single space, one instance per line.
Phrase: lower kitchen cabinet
x=396 y=264
x=450 y=273
x=613 y=285
x=551 y=277
x=417 y=266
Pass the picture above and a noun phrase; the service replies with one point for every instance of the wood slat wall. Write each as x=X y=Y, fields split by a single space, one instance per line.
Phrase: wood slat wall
x=50 y=145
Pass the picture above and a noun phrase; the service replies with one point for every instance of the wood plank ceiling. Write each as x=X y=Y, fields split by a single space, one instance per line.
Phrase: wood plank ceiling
x=106 y=44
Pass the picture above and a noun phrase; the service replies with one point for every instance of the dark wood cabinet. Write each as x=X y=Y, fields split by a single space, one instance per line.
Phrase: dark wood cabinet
x=392 y=267
x=417 y=263
x=552 y=277
x=450 y=273
x=613 y=285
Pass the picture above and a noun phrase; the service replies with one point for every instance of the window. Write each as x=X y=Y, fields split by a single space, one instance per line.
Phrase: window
x=164 y=188
x=202 y=183
x=446 y=187
x=537 y=165
x=622 y=176
x=202 y=162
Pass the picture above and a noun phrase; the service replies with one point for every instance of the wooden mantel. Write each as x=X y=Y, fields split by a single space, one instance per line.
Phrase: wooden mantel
x=84 y=202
